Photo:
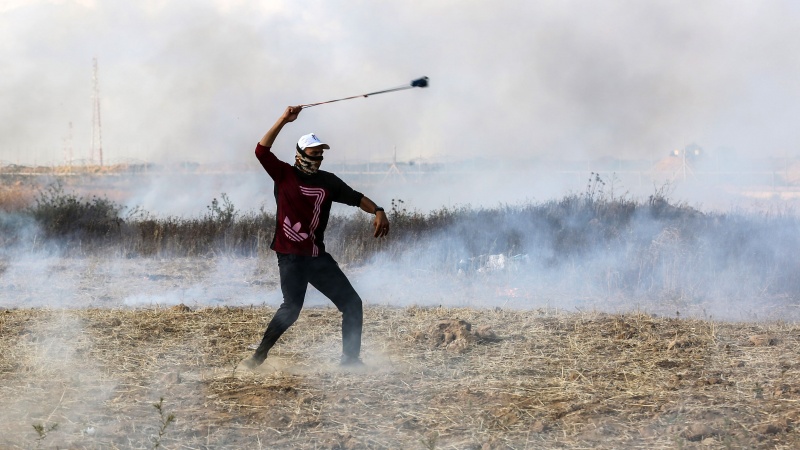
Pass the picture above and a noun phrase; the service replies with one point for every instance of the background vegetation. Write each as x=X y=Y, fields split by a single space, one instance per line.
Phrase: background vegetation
x=653 y=245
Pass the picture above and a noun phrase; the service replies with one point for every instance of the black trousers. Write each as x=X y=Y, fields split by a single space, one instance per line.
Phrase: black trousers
x=322 y=272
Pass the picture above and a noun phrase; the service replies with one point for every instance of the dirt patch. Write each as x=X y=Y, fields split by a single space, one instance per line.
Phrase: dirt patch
x=455 y=335
x=435 y=378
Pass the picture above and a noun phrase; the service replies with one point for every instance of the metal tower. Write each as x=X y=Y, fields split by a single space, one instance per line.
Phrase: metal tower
x=97 y=135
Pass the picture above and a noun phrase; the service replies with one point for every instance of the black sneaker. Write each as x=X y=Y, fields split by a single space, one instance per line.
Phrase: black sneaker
x=252 y=363
x=351 y=361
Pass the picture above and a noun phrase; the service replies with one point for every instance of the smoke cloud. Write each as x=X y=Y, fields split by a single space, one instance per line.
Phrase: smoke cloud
x=202 y=81
x=518 y=89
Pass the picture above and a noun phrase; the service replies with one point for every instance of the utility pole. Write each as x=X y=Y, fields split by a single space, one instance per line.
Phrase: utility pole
x=97 y=134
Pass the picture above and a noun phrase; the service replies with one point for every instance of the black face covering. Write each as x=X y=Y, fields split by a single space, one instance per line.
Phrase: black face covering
x=306 y=163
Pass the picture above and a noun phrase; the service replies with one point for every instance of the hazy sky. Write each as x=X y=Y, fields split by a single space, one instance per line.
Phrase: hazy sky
x=202 y=80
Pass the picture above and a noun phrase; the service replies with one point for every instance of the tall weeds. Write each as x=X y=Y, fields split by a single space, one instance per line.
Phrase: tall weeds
x=61 y=215
x=593 y=238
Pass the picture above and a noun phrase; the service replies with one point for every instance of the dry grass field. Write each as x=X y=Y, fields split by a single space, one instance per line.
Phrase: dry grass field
x=98 y=351
x=435 y=378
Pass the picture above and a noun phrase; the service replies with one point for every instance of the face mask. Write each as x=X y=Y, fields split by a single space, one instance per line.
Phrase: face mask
x=307 y=164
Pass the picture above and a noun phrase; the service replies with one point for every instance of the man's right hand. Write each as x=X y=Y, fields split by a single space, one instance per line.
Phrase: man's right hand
x=291 y=113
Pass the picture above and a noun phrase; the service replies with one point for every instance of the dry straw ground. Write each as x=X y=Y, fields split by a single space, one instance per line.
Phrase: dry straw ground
x=435 y=378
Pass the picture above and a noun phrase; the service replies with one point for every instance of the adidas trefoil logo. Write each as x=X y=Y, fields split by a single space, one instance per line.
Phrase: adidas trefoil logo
x=293 y=231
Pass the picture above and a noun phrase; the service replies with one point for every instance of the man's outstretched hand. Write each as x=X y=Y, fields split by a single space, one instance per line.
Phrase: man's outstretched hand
x=381 y=224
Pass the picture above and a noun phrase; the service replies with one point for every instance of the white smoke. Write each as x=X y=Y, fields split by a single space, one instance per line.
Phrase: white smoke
x=202 y=81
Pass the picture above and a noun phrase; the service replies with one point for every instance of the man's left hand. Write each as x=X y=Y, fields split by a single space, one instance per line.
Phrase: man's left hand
x=381 y=224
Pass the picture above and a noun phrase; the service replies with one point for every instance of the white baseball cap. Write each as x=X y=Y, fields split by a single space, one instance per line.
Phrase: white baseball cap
x=311 y=140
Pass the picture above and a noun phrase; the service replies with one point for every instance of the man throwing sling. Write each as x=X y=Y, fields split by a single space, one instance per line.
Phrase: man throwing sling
x=304 y=195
